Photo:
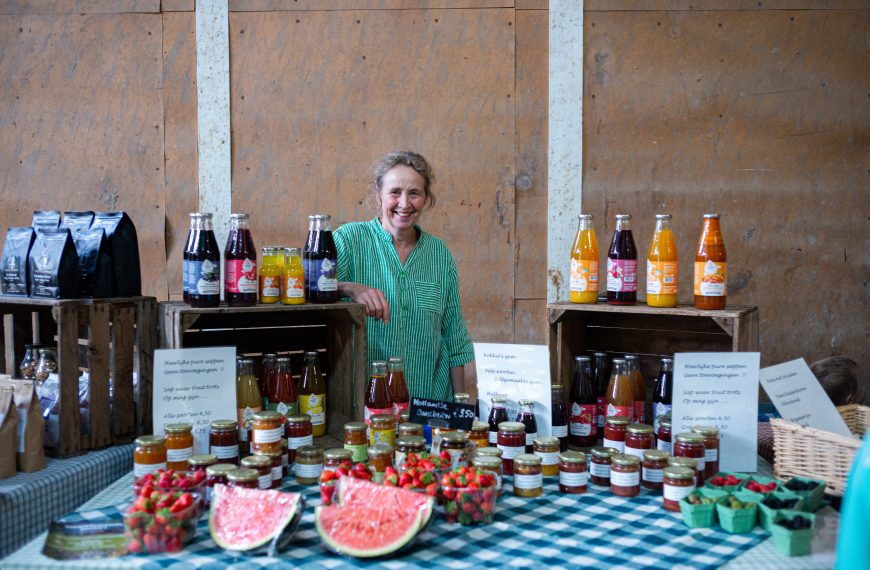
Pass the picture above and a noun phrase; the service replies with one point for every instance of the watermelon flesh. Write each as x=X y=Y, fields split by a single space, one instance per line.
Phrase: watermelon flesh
x=246 y=519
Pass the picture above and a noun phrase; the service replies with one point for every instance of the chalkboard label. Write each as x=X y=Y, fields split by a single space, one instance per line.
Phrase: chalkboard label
x=442 y=414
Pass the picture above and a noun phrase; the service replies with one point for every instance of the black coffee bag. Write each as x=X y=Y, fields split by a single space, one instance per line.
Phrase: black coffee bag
x=53 y=265
x=14 y=263
x=123 y=246
x=95 y=264
x=46 y=220
x=77 y=221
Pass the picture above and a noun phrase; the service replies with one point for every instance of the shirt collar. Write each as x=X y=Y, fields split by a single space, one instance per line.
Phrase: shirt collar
x=388 y=237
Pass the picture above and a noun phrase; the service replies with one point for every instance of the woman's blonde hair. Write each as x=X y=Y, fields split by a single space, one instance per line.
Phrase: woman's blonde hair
x=404 y=158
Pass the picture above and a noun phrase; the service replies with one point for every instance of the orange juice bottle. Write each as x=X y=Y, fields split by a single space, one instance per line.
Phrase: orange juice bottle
x=661 y=265
x=293 y=277
x=584 y=263
x=711 y=266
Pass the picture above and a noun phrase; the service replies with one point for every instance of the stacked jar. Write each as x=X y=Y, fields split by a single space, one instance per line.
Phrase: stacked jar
x=688 y=444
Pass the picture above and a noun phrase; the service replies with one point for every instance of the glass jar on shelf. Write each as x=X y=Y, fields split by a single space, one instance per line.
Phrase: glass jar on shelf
x=46 y=364
x=638 y=438
x=334 y=457
x=456 y=443
x=267 y=429
x=654 y=461
x=309 y=464
x=263 y=466
x=599 y=465
x=492 y=464
x=27 y=368
x=179 y=445
x=276 y=463
x=547 y=448
x=511 y=442
x=223 y=441
x=711 y=449
x=149 y=455
x=677 y=483
x=615 y=431
x=380 y=456
x=355 y=440
x=689 y=444
x=406 y=445
x=479 y=434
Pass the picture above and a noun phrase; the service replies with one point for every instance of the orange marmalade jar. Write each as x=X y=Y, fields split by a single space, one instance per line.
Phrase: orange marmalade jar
x=179 y=445
x=149 y=455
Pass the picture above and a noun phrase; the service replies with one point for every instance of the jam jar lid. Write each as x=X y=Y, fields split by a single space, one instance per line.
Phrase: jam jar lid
x=556 y=387
x=338 y=454
x=705 y=430
x=269 y=454
x=267 y=416
x=689 y=437
x=379 y=450
x=655 y=454
x=224 y=425
x=302 y=418
x=150 y=440
x=546 y=441
x=572 y=457
x=527 y=459
x=511 y=427
x=675 y=472
x=682 y=462
x=383 y=419
x=178 y=428
x=498 y=400
x=477 y=426
x=525 y=402
x=665 y=420
x=202 y=459
x=256 y=461
x=601 y=451
x=455 y=436
x=461 y=396
x=488 y=451
x=349 y=426
x=219 y=469
x=486 y=461
x=310 y=451
x=639 y=429
x=410 y=426
x=624 y=459
x=410 y=441
x=242 y=475
x=617 y=420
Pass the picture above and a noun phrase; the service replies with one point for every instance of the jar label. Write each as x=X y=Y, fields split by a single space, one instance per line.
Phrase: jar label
x=675 y=493
x=621 y=275
x=583 y=419
x=617 y=445
x=624 y=411
x=270 y=286
x=659 y=409
x=265 y=481
x=661 y=277
x=204 y=277
x=398 y=408
x=711 y=455
x=508 y=452
x=710 y=278
x=634 y=451
x=285 y=408
x=652 y=475
x=569 y=479
x=584 y=275
x=387 y=436
x=530 y=438
x=241 y=276
x=142 y=469
x=314 y=406
x=599 y=469
x=224 y=451
x=640 y=411
x=323 y=272
x=309 y=471
x=360 y=452
x=399 y=459
x=548 y=457
x=278 y=472
x=369 y=412
x=555 y=431
x=663 y=445
x=620 y=479
x=294 y=286
x=528 y=481
x=701 y=462
x=297 y=442
x=178 y=455
x=268 y=435
x=493 y=437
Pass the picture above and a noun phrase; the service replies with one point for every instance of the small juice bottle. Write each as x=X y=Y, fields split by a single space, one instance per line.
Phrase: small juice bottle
x=638 y=387
x=661 y=265
x=620 y=394
x=293 y=278
x=622 y=265
x=710 y=266
x=270 y=275
x=312 y=394
x=584 y=263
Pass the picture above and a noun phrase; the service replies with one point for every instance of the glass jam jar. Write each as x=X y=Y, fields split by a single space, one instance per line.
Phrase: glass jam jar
x=711 y=449
x=479 y=434
x=379 y=458
x=654 y=461
x=276 y=465
x=406 y=445
x=299 y=433
x=512 y=442
x=223 y=441
x=686 y=462
x=488 y=451
x=492 y=464
x=267 y=429
x=382 y=430
x=179 y=445
x=149 y=455
x=334 y=457
x=200 y=462
x=638 y=438
x=528 y=478
x=573 y=477
x=47 y=363
x=263 y=466
x=625 y=475
x=688 y=444
x=410 y=428
x=404 y=417
x=309 y=464
x=599 y=465
x=355 y=440
x=678 y=483
x=27 y=368
x=547 y=448
x=663 y=437
x=243 y=477
x=456 y=443
x=614 y=432
x=215 y=474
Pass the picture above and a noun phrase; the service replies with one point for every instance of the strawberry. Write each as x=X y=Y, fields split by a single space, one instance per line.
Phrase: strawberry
x=328 y=475
x=134 y=546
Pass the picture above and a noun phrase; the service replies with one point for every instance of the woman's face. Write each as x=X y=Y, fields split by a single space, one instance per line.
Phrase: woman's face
x=402 y=198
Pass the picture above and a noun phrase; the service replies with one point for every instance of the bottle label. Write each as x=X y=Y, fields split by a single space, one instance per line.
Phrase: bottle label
x=659 y=409
x=241 y=276
x=294 y=286
x=528 y=481
x=674 y=493
x=583 y=419
x=599 y=469
x=142 y=469
x=185 y=272
x=530 y=438
x=661 y=277
x=548 y=457
x=622 y=275
x=224 y=451
x=620 y=479
x=285 y=408
x=297 y=442
x=268 y=435
x=508 y=452
x=204 y=277
x=245 y=416
x=617 y=445
x=555 y=431
x=398 y=408
x=625 y=411
x=322 y=275
x=493 y=437
x=270 y=286
x=369 y=412
x=710 y=278
x=711 y=455
x=584 y=275
x=653 y=475
x=179 y=455
x=663 y=445
x=309 y=471
x=315 y=406
x=601 y=412
x=640 y=411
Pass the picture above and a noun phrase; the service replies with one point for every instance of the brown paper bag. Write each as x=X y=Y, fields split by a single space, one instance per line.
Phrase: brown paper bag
x=31 y=427
x=8 y=432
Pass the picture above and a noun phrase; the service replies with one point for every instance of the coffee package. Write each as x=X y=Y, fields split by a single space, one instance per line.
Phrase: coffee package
x=45 y=220
x=31 y=426
x=8 y=432
x=123 y=246
x=77 y=221
x=53 y=265
x=15 y=262
x=95 y=264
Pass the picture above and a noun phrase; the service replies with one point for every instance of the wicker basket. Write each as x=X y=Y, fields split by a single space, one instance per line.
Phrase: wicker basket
x=807 y=452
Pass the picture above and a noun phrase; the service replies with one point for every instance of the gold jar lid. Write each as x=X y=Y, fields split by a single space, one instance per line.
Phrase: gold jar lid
x=460 y=437
x=525 y=402
x=625 y=459
x=678 y=473
x=682 y=462
x=379 y=450
x=219 y=469
x=511 y=427
x=705 y=430
x=202 y=459
x=224 y=425
x=351 y=426
x=404 y=416
x=269 y=454
x=601 y=451
x=546 y=441
x=639 y=429
x=410 y=427
x=477 y=426
x=338 y=454
x=488 y=451
x=382 y=421
x=310 y=452
x=150 y=440
x=299 y=419
x=617 y=420
x=411 y=441
x=490 y=462
x=665 y=420
x=499 y=400
x=655 y=454
x=267 y=416
x=256 y=461
x=178 y=428
x=527 y=459
x=572 y=457
x=461 y=396
x=689 y=437
x=242 y=475
x=556 y=387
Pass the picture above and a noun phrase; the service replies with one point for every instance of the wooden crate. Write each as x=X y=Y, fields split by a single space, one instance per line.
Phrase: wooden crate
x=650 y=332
x=112 y=337
x=337 y=331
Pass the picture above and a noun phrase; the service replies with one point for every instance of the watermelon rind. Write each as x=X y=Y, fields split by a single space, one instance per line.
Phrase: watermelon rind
x=274 y=539
x=335 y=544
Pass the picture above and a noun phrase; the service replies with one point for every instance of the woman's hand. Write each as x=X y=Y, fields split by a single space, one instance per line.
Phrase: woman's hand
x=374 y=299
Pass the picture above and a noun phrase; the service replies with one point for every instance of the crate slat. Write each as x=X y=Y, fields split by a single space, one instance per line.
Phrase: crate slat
x=98 y=359
x=67 y=361
x=146 y=341
x=123 y=337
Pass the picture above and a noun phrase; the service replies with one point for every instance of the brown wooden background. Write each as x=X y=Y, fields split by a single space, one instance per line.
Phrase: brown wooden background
x=748 y=108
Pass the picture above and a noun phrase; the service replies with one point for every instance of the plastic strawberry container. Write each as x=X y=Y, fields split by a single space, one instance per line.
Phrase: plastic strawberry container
x=470 y=506
x=163 y=530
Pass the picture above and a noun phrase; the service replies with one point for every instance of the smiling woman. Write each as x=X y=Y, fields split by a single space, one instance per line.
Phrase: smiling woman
x=407 y=280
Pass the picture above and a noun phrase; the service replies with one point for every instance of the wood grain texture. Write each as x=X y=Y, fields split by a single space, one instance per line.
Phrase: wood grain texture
x=177 y=6
x=530 y=321
x=310 y=5
x=98 y=364
x=44 y=7
x=71 y=441
x=146 y=342
x=721 y=5
x=123 y=339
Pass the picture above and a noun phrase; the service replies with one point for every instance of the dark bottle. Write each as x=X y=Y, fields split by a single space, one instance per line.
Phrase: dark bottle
x=583 y=427
x=497 y=414
x=559 y=416
x=204 y=265
x=306 y=255
x=240 y=257
x=601 y=379
x=378 y=397
x=526 y=416
x=322 y=261
x=664 y=392
x=188 y=247
x=622 y=264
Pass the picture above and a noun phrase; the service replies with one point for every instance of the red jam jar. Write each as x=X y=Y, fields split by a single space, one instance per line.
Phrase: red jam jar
x=624 y=475
x=599 y=465
x=243 y=477
x=512 y=442
x=663 y=437
x=276 y=463
x=263 y=466
x=711 y=449
x=654 y=461
x=223 y=441
x=299 y=432
x=678 y=483
x=688 y=444
x=615 y=431
x=215 y=474
x=573 y=476
x=638 y=438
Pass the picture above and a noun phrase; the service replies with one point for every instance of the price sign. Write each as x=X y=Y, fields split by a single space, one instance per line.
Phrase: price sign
x=442 y=414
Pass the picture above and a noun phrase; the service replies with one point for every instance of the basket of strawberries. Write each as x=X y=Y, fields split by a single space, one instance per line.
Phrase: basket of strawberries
x=469 y=495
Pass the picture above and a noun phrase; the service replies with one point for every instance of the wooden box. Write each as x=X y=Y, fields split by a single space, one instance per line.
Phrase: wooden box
x=649 y=332
x=110 y=338
x=337 y=331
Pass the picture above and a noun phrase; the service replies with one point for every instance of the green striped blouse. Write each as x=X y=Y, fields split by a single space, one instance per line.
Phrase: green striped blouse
x=426 y=326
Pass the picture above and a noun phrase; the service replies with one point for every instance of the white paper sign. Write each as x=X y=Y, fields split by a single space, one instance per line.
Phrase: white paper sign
x=720 y=389
x=194 y=385
x=515 y=372
x=799 y=398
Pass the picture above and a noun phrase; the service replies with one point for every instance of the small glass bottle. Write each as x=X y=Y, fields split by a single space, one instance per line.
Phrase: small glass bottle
x=711 y=267
x=179 y=445
x=583 y=287
x=638 y=388
x=573 y=476
x=378 y=398
x=638 y=438
x=355 y=441
x=614 y=432
x=270 y=274
x=559 y=416
x=601 y=380
x=267 y=377
x=204 y=264
x=320 y=261
x=312 y=394
x=622 y=264
x=293 y=277
x=27 y=368
x=599 y=465
x=223 y=441
x=240 y=264
x=625 y=475
x=309 y=464
x=654 y=461
x=677 y=483
x=283 y=397
x=249 y=401
x=711 y=449
x=584 y=402
x=663 y=434
x=397 y=385
x=263 y=466
x=661 y=265
x=497 y=415
x=149 y=455
x=688 y=444
x=547 y=448
x=511 y=442
x=620 y=391
x=267 y=429
x=528 y=479
x=663 y=392
x=526 y=416
x=46 y=364
x=244 y=478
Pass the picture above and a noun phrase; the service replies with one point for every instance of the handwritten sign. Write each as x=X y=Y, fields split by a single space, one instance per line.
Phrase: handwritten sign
x=720 y=389
x=441 y=414
x=799 y=398
x=194 y=385
x=514 y=372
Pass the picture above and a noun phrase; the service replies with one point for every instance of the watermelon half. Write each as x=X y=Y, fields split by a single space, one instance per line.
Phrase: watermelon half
x=244 y=520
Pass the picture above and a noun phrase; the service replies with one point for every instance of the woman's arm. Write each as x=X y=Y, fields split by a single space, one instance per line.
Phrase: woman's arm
x=374 y=299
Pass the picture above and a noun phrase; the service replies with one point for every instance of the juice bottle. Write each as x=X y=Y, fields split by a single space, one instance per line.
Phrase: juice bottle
x=559 y=416
x=322 y=268
x=270 y=274
x=664 y=392
x=282 y=394
x=398 y=387
x=582 y=426
x=312 y=394
x=661 y=265
x=638 y=387
x=620 y=396
x=240 y=257
x=622 y=264
x=526 y=416
x=584 y=263
x=248 y=400
x=602 y=377
x=378 y=398
x=497 y=415
x=204 y=265
x=710 y=266
x=188 y=247
x=293 y=277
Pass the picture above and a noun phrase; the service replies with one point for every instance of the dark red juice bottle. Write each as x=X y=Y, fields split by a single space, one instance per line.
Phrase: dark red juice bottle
x=240 y=255
x=306 y=255
x=188 y=247
x=582 y=426
x=622 y=264
x=322 y=263
x=204 y=263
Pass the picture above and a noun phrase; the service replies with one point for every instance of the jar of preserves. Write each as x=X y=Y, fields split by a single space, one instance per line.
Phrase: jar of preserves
x=179 y=445
x=686 y=462
x=654 y=461
x=511 y=442
x=382 y=430
x=528 y=479
x=497 y=415
x=663 y=436
x=410 y=428
x=678 y=483
x=215 y=474
x=200 y=462
x=299 y=433
x=276 y=465
x=479 y=434
x=688 y=444
x=355 y=441
x=711 y=449
x=625 y=475
x=406 y=445
x=379 y=457
x=488 y=452
x=149 y=455
x=547 y=448
x=456 y=443
x=615 y=431
x=332 y=458
x=267 y=430
x=243 y=477
x=46 y=364
x=573 y=477
x=309 y=464
x=638 y=438
x=492 y=464
x=263 y=466
x=599 y=465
